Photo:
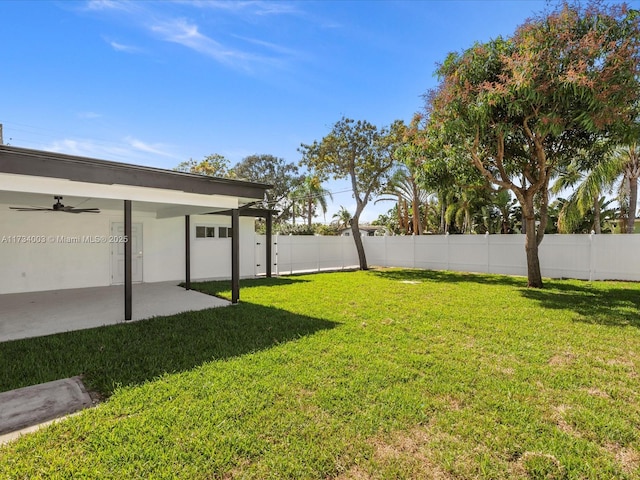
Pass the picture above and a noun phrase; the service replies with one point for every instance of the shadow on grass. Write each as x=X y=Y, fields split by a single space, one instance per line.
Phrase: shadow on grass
x=595 y=304
x=416 y=275
x=222 y=288
x=132 y=353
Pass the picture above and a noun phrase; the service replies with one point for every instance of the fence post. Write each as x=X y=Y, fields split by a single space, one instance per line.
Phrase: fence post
x=290 y=254
x=446 y=237
x=591 y=255
x=385 y=246
x=486 y=235
x=413 y=249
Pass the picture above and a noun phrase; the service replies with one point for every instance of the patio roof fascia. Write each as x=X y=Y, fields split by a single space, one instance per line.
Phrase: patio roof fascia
x=22 y=161
x=55 y=186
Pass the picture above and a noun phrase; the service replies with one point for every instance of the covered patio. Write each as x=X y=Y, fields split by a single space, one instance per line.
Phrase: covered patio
x=116 y=242
x=34 y=314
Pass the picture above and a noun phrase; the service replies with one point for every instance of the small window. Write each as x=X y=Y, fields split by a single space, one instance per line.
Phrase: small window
x=225 y=232
x=205 y=232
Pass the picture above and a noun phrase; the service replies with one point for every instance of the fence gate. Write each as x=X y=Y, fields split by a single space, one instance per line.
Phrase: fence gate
x=260 y=255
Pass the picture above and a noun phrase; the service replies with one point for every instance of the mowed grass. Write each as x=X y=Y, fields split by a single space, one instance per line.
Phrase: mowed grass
x=365 y=375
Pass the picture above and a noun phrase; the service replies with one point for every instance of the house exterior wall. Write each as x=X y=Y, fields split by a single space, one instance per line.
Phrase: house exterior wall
x=55 y=250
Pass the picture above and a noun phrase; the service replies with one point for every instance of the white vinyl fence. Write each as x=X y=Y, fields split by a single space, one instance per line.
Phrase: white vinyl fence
x=587 y=257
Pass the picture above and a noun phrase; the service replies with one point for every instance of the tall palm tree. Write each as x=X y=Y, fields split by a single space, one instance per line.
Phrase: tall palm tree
x=622 y=166
x=628 y=158
x=310 y=195
x=407 y=191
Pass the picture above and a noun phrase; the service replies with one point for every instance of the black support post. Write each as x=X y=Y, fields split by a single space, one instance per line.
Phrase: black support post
x=235 y=255
x=269 y=241
x=187 y=252
x=127 y=261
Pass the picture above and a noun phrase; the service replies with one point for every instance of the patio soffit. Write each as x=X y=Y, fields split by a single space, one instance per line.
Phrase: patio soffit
x=106 y=205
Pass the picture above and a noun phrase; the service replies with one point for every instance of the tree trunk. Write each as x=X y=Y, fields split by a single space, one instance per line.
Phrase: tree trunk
x=596 y=215
x=505 y=223
x=405 y=216
x=443 y=225
x=357 y=238
x=633 y=204
x=293 y=212
x=417 y=228
x=534 y=276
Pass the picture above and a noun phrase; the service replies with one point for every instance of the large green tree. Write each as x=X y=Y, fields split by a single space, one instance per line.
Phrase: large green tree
x=274 y=171
x=360 y=152
x=518 y=108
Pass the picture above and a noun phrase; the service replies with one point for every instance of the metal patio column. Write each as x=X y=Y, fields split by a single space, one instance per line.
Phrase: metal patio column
x=269 y=235
x=127 y=261
x=235 y=255
x=187 y=252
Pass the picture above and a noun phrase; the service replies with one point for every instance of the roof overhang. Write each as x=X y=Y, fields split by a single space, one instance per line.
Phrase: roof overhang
x=24 y=171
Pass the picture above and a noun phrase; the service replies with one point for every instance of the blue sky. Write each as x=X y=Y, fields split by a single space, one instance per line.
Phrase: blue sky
x=157 y=83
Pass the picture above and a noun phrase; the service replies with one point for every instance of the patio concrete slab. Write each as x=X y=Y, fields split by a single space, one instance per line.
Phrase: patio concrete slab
x=29 y=406
x=25 y=315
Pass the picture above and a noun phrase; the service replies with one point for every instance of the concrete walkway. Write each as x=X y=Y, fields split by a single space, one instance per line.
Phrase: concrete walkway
x=25 y=315
x=24 y=408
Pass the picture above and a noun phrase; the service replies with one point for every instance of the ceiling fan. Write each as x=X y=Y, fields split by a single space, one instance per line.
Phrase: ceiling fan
x=57 y=207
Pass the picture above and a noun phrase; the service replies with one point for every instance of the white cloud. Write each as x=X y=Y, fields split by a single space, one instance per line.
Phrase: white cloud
x=157 y=19
x=87 y=148
x=156 y=149
x=188 y=35
x=131 y=150
x=103 y=5
x=248 y=7
x=268 y=45
x=120 y=47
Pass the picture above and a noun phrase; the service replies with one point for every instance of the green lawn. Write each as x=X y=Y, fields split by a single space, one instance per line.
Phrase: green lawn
x=364 y=375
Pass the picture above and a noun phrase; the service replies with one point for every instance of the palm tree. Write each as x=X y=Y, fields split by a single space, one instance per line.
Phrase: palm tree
x=585 y=197
x=622 y=166
x=308 y=197
x=342 y=217
x=504 y=203
x=465 y=205
x=628 y=160
x=410 y=197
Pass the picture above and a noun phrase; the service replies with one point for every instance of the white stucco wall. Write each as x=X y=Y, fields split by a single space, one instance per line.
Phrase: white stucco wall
x=36 y=252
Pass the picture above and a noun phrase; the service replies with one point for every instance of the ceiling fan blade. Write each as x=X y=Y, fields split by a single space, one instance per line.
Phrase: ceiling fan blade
x=31 y=209
x=81 y=210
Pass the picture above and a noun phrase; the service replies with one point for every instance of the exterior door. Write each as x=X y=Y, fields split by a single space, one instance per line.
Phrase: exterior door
x=117 y=253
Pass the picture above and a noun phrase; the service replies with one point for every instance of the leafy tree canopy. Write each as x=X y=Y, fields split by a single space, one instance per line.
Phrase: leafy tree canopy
x=518 y=108
x=360 y=152
x=214 y=165
x=274 y=171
